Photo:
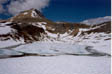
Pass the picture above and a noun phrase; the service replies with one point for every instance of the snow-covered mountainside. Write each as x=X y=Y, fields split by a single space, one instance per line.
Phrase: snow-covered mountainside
x=76 y=48
x=31 y=25
x=97 y=20
x=27 y=33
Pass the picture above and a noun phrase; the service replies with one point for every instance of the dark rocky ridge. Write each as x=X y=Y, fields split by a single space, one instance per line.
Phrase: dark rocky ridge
x=104 y=27
x=29 y=33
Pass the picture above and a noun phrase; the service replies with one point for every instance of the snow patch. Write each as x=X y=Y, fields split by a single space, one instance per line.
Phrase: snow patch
x=97 y=20
x=5 y=30
x=6 y=52
x=11 y=42
x=4 y=24
x=25 y=13
x=34 y=14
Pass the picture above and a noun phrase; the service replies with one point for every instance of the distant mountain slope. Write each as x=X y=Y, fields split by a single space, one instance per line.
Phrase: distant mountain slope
x=97 y=20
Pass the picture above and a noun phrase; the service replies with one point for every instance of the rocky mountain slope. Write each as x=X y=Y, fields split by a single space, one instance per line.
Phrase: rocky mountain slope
x=31 y=26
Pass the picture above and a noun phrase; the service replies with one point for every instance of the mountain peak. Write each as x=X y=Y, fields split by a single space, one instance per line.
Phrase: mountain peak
x=31 y=13
x=34 y=13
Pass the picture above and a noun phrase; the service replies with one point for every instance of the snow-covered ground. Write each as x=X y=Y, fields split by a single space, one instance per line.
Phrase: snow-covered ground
x=99 y=41
x=88 y=44
x=56 y=65
x=49 y=48
x=63 y=49
x=61 y=63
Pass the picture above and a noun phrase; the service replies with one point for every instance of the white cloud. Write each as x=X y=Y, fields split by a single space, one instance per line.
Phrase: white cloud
x=21 y=5
x=17 y=6
x=2 y=1
x=1 y=6
x=1 y=9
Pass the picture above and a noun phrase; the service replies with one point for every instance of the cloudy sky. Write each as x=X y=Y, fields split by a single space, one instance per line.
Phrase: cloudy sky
x=58 y=10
